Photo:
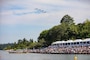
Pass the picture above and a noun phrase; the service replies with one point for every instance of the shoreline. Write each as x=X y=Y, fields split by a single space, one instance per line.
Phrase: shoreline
x=62 y=53
x=47 y=53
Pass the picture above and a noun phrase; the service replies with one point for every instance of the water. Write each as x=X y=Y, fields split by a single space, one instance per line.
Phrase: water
x=34 y=56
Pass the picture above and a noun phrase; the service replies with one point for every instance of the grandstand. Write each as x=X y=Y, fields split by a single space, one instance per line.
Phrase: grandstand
x=71 y=43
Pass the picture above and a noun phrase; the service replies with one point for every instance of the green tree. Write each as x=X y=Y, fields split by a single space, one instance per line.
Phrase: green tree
x=42 y=43
x=7 y=48
x=67 y=20
x=43 y=34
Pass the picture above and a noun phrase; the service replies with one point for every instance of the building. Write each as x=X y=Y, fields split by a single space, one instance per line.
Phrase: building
x=71 y=43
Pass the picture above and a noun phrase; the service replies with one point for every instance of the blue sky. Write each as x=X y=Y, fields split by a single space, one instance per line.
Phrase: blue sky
x=27 y=18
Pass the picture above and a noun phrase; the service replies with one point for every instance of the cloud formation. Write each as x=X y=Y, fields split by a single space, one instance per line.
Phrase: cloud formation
x=39 y=15
x=34 y=7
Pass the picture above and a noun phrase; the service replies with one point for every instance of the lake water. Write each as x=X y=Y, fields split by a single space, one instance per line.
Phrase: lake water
x=34 y=56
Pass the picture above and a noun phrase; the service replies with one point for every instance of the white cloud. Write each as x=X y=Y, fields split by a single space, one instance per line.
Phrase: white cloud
x=78 y=10
x=22 y=12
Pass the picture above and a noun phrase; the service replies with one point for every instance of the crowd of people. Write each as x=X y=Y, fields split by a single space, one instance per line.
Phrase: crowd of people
x=75 y=49
x=64 y=50
x=56 y=50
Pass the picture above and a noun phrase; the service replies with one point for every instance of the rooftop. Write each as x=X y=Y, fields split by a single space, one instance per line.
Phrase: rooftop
x=77 y=40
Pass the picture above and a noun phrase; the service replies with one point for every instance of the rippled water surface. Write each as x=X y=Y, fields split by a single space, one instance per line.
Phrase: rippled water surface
x=34 y=56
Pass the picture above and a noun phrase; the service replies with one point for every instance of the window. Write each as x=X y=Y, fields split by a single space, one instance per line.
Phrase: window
x=84 y=42
x=80 y=42
x=88 y=42
x=71 y=43
x=63 y=44
x=68 y=43
x=74 y=43
x=77 y=42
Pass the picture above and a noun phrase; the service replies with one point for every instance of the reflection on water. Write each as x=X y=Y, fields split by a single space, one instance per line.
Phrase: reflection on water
x=33 y=56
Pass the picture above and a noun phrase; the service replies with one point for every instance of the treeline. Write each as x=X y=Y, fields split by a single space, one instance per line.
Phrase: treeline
x=23 y=44
x=2 y=46
x=66 y=30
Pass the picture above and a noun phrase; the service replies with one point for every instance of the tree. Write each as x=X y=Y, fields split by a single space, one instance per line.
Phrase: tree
x=73 y=32
x=7 y=48
x=42 y=43
x=59 y=32
x=43 y=34
x=87 y=28
x=67 y=20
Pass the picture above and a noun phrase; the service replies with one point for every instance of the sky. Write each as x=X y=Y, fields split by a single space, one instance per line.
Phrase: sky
x=28 y=18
